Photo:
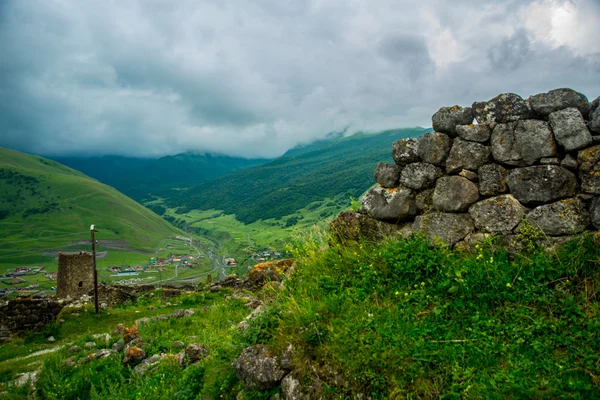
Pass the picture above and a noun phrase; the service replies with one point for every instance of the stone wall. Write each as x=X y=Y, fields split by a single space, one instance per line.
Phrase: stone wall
x=75 y=275
x=21 y=316
x=486 y=169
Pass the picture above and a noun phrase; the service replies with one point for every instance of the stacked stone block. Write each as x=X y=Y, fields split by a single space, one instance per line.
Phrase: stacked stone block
x=487 y=168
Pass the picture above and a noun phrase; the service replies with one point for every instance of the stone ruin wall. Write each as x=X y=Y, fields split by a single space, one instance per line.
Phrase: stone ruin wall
x=21 y=316
x=534 y=160
x=75 y=275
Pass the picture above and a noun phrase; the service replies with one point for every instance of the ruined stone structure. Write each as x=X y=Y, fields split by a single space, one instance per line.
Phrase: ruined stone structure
x=525 y=161
x=75 y=275
x=21 y=316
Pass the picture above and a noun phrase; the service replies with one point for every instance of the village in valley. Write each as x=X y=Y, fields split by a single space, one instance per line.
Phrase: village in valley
x=29 y=280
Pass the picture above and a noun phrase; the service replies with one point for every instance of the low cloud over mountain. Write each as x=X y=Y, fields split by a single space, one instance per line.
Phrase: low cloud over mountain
x=254 y=78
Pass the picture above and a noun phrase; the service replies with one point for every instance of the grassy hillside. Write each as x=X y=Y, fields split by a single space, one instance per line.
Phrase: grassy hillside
x=391 y=320
x=327 y=169
x=45 y=205
x=140 y=178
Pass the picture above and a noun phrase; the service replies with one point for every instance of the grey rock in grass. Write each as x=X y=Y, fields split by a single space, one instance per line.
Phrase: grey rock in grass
x=467 y=155
x=74 y=349
x=449 y=228
x=565 y=217
x=506 y=107
x=258 y=367
x=193 y=353
x=569 y=129
x=522 y=143
x=500 y=214
x=589 y=169
x=420 y=175
x=594 y=117
x=291 y=388
x=544 y=104
x=434 y=148
x=474 y=132
x=387 y=175
x=541 y=184
x=146 y=365
x=405 y=151
x=447 y=118
x=492 y=180
x=390 y=204
x=118 y=346
x=454 y=194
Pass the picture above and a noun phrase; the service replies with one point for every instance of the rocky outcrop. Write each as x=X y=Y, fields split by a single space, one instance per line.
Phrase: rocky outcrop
x=259 y=368
x=534 y=159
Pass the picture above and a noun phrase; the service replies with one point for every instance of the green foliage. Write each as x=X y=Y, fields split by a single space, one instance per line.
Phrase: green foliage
x=44 y=200
x=355 y=204
x=52 y=329
x=403 y=319
x=142 y=178
x=281 y=187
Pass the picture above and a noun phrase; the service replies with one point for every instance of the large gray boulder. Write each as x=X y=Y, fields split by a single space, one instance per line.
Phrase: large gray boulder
x=447 y=118
x=388 y=175
x=454 y=194
x=448 y=228
x=544 y=104
x=420 y=175
x=492 y=180
x=474 y=132
x=522 y=143
x=503 y=108
x=258 y=368
x=565 y=217
x=500 y=214
x=390 y=204
x=434 y=148
x=405 y=151
x=467 y=155
x=589 y=169
x=595 y=212
x=594 y=117
x=569 y=129
x=541 y=184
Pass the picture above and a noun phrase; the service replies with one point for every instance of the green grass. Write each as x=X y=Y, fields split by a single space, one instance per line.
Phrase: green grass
x=108 y=378
x=44 y=206
x=240 y=240
x=403 y=320
x=395 y=319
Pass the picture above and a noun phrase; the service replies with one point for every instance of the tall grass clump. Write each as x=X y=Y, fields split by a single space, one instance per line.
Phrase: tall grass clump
x=403 y=318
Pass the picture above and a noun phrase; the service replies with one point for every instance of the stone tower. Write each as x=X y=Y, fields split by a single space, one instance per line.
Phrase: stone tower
x=75 y=275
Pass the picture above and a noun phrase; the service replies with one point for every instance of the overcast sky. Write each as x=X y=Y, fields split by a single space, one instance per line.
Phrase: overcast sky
x=256 y=77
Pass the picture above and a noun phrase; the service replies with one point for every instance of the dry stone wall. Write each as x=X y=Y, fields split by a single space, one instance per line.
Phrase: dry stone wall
x=21 y=316
x=486 y=169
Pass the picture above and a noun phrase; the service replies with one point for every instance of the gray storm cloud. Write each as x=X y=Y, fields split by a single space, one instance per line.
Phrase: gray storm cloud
x=254 y=79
